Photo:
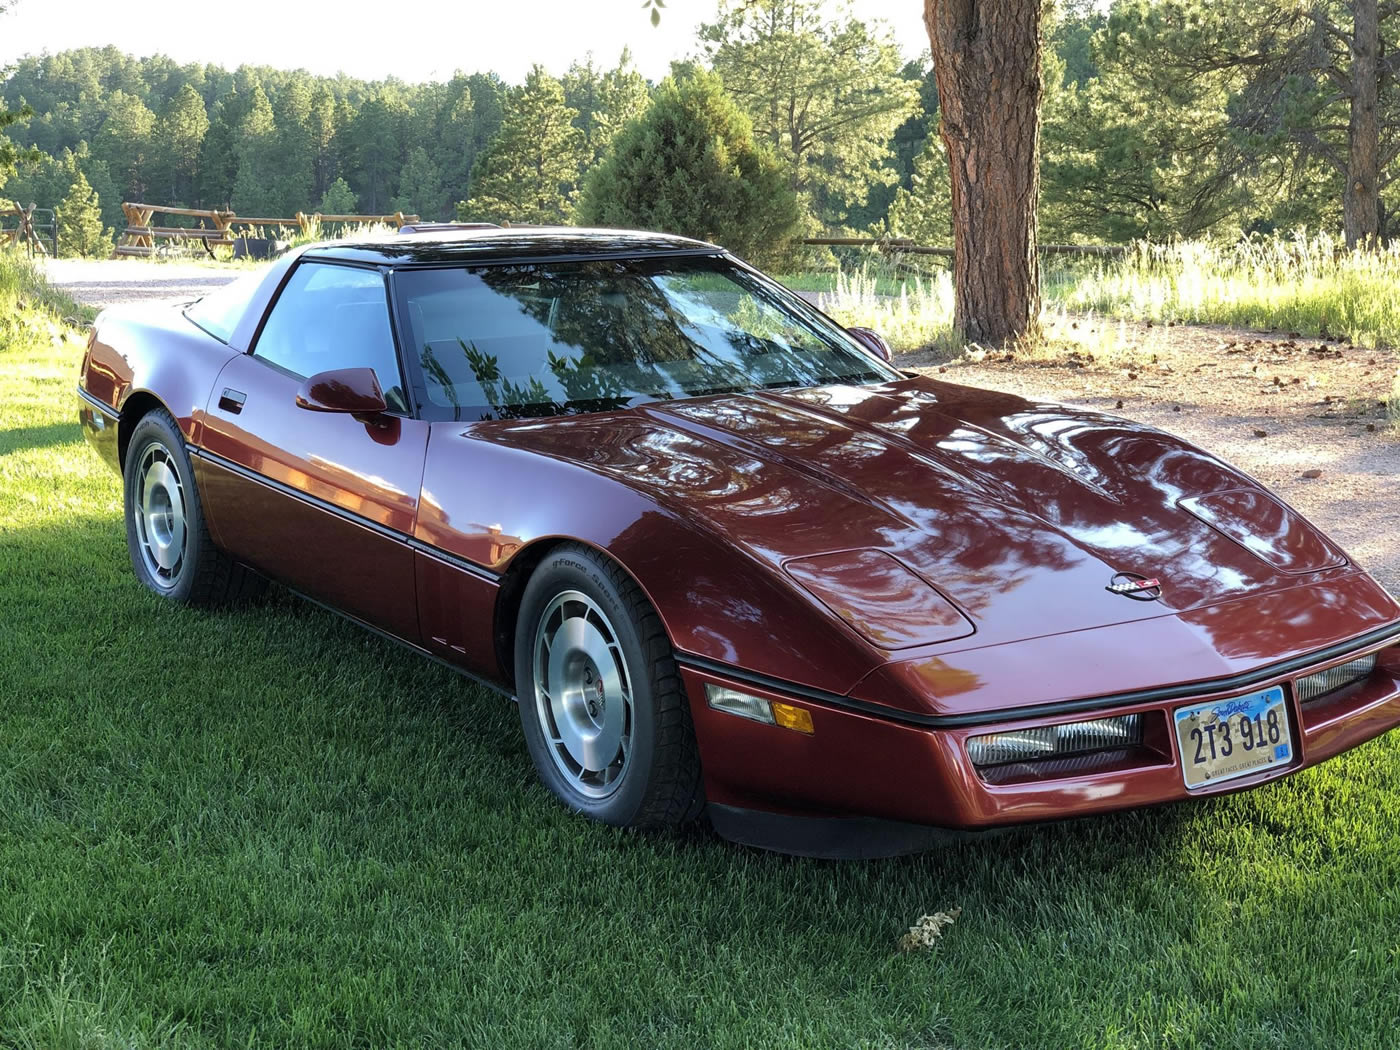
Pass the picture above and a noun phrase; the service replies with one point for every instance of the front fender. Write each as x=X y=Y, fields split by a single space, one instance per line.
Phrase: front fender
x=488 y=503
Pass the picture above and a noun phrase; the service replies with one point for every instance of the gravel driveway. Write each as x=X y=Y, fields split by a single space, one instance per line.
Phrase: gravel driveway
x=1305 y=416
x=107 y=282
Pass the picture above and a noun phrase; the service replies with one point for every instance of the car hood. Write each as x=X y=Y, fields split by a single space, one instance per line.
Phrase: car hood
x=996 y=518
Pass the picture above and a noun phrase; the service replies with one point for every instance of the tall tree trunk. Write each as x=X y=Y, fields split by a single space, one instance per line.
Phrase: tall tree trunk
x=1361 y=202
x=986 y=58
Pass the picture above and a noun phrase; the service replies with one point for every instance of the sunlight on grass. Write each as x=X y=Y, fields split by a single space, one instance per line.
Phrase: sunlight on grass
x=919 y=315
x=1310 y=285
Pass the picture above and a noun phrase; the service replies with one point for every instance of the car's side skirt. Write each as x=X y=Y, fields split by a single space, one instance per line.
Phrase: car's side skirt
x=495 y=687
x=451 y=593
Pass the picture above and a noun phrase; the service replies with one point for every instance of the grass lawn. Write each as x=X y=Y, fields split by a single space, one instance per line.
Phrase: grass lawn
x=267 y=828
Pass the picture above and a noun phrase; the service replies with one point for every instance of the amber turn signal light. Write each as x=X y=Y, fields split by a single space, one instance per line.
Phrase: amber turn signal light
x=773 y=713
x=790 y=717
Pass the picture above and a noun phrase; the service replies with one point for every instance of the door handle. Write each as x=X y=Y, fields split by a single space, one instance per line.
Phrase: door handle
x=232 y=400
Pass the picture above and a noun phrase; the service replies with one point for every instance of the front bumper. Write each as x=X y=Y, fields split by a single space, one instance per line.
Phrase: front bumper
x=859 y=776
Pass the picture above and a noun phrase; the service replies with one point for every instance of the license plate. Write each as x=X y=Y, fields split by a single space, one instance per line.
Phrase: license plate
x=1224 y=739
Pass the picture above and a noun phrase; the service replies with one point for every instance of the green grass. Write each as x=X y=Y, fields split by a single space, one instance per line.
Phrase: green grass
x=1307 y=285
x=267 y=828
x=886 y=280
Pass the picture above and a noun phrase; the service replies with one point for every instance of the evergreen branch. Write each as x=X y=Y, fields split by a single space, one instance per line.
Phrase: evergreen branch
x=1329 y=29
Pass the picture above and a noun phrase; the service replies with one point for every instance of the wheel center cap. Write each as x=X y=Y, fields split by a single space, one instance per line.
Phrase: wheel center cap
x=594 y=695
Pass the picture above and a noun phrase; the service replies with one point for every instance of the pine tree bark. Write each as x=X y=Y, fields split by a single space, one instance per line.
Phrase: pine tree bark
x=986 y=57
x=1361 y=202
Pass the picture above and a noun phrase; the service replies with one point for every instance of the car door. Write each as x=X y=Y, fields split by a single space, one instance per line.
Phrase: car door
x=324 y=501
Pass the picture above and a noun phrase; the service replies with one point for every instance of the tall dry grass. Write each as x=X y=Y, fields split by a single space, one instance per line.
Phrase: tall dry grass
x=1308 y=284
x=1304 y=284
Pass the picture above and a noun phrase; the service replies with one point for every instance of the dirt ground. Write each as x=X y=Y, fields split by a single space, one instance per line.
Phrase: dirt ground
x=1305 y=416
x=107 y=282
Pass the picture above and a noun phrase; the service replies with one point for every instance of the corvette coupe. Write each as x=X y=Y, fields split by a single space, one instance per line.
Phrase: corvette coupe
x=725 y=556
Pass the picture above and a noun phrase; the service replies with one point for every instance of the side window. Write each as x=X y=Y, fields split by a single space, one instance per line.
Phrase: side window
x=333 y=317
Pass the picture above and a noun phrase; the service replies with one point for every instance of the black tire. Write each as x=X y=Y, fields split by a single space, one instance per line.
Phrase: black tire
x=198 y=572
x=658 y=784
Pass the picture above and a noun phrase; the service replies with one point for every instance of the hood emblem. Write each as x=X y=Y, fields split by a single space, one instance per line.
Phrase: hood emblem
x=1133 y=585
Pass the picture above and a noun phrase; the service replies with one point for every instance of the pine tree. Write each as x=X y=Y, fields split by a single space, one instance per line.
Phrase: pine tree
x=80 y=222
x=530 y=168
x=924 y=212
x=420 y=188
x=9 y=155
x=1304 y=84
x=253 y=191
x=127 y=136
x=691 y=166
x=322 y=128
x=452 y=145
x=826 y=95
x=606 y=101
x=218 y=156
x=987 y=60
x=374 y=141
x=294 y=171
x=179 y=137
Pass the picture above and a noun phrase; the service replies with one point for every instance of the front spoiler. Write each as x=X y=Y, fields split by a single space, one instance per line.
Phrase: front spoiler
x=830 y=838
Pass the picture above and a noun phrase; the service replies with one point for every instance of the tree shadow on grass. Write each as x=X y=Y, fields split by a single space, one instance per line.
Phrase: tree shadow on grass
x=23 y=439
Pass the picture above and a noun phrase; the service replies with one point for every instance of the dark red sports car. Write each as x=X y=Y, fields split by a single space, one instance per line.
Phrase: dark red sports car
x=726 y=557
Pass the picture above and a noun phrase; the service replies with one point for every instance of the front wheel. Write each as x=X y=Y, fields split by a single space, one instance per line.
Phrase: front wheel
x=166 y=535
x=606 y=719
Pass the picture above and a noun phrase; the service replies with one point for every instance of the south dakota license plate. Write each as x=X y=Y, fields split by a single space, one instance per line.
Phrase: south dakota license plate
x=1225 y=739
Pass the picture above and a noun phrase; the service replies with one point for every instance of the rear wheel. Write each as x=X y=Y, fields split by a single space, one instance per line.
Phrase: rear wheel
x=166 y=534
x=606 y=719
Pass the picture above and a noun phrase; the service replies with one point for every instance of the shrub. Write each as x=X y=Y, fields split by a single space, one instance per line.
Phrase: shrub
x=338 y=199
x=690 y=165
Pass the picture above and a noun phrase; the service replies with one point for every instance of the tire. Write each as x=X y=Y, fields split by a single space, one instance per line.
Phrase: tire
x=166 y=534
x=605 y=716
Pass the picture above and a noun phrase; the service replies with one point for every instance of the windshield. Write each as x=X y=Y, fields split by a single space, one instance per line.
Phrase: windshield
x=513 y=341
x=220 y=310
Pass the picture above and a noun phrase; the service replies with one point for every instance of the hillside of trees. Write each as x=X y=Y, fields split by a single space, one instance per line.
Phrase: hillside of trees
x=1160 y=118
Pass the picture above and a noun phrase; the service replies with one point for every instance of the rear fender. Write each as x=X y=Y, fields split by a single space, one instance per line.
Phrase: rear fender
x=154 y=355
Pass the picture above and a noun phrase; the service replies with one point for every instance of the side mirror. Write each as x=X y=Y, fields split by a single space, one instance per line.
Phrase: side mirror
x=352 y=390
x=874 y=342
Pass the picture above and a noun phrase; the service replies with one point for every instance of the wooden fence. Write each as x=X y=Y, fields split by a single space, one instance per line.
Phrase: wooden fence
x=23 y=234
x=308 y=223
x=140 y=236
x=905 y=246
